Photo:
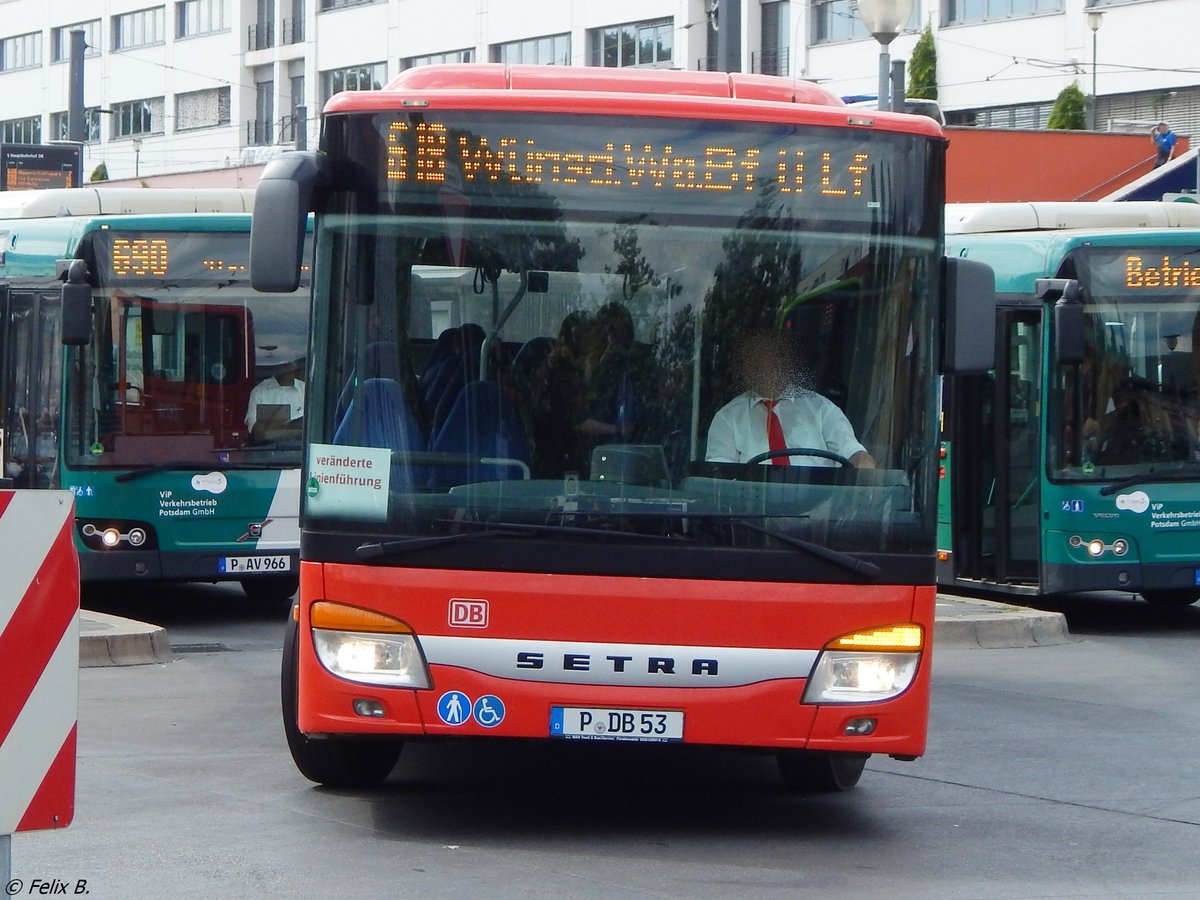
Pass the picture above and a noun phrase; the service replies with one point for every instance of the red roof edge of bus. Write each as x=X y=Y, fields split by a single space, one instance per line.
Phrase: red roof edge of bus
x=497 y=76
x=549 y=88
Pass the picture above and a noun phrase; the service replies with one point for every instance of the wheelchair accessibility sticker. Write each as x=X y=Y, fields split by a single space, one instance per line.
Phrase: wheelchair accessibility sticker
x=488 y=711
x=455 y=708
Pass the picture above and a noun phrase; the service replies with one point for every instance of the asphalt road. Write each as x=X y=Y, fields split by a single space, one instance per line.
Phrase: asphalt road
x=1060 y=771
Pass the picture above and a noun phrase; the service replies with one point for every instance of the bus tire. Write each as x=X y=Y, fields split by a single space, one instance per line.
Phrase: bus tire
x=271 y=588
x=820 y=773
x=1168 y=599
x=333 y=761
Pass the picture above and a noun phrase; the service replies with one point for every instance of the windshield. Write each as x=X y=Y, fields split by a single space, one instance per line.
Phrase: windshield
x=1131 y=405
x=187 y=365
x=504 y=351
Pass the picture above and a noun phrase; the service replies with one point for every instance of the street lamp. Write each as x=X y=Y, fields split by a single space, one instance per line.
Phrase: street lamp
x=137 y=157
x=884 y=19
x=1094 y=18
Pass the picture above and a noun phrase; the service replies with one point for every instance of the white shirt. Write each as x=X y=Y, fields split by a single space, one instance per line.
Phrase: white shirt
x=272 y=392
x=739 y=429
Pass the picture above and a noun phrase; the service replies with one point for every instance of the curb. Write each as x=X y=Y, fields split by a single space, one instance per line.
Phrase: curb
x=106 y=640
x=990 y=625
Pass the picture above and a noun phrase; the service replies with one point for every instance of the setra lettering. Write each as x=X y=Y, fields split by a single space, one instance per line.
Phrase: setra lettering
x=620 y=665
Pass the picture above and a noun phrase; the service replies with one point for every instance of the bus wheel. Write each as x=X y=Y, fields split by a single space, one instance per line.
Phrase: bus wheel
x=333 y=761
x=821 y=773
x=1167 y=599
x=271 y=589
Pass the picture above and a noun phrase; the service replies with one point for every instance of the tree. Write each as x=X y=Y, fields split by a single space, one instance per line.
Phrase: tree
x=100 y=173
x=1069 y=112
x=922 y=68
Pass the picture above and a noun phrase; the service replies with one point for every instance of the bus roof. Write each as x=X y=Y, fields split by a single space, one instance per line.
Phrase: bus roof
x=986 y=218
x=612 y=91
x=94 y=201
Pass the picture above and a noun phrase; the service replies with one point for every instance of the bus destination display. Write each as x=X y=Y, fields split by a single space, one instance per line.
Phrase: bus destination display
x=181 y=256
x=1150 y=270
x=661 y=159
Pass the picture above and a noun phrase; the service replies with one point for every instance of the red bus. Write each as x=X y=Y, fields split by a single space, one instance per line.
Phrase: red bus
x=529 y=289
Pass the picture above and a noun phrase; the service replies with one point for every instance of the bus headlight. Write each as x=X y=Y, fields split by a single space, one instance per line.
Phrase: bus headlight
x=367 y=647
x=841 y=677
x=866 y=666
x=389 y=660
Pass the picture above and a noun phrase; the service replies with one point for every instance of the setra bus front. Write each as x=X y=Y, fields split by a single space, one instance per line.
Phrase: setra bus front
x=541 y=499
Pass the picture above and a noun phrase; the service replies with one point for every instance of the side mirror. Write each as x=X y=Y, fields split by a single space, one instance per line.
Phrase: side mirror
x=77 y=306
x=1068 y=318
x=282 y=201
x=969 y=308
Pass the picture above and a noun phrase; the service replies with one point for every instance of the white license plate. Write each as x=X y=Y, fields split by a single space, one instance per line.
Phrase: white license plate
x=251 y=565
x=598 y=724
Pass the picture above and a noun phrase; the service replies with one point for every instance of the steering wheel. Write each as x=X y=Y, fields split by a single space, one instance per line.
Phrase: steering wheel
x=800 y=451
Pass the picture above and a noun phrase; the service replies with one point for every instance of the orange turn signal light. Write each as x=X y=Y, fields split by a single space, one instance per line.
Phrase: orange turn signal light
x=341 y=617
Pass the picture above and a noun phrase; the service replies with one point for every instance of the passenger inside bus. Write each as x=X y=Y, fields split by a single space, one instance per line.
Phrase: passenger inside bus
x=774 y=413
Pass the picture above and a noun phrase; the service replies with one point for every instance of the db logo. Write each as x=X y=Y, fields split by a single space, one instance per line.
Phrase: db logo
x=468 y=613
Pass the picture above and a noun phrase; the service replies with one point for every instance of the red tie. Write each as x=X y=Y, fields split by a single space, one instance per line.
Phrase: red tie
x=775 y=439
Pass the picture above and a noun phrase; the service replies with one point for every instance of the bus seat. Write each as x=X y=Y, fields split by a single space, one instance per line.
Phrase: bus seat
x=380 y=359
x=379 y=416
x=482 y=423
x=441 y=383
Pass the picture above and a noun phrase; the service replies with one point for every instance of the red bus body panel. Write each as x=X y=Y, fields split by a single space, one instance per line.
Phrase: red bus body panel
x=618 y=610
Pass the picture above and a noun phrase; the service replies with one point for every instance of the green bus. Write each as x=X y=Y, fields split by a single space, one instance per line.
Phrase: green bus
x=139 y=371
x=1074 y=465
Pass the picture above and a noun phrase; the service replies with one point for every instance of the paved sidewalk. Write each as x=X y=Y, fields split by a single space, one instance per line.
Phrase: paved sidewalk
x=971 y=622
x=106 y=640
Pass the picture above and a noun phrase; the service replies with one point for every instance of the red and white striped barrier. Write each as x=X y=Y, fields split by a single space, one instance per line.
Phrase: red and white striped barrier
x=39 y=660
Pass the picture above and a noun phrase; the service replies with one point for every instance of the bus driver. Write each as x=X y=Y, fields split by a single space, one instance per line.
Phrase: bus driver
x=775 y=413
x=276 y=405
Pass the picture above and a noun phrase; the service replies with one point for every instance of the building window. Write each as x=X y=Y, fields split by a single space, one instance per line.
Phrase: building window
x=838 y=20
x=261 y=131
x=354 y=78
x=635 y=44
x=139 y=29
x=327 y=5
x=60 y=40
x=202 y=109
x=295 y=125
x=293 y=25
x=60 y=125
x=959 y=12
x=137 y=117
x=24 y=51
x=451 y=56
x=193 y=17
x=22 y=131
x=551 y=50
x=772 y=59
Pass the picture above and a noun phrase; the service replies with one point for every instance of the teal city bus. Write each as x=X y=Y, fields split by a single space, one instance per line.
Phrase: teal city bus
x=1075 y=464
x=132 y=350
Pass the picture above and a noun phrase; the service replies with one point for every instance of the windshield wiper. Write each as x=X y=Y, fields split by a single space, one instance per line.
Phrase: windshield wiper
x=496 y=529
x=1186 y=469
x=868 y=571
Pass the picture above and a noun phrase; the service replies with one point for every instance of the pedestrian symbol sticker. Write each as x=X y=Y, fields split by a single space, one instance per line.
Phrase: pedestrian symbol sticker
x=489 y=711
x=454 y=707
